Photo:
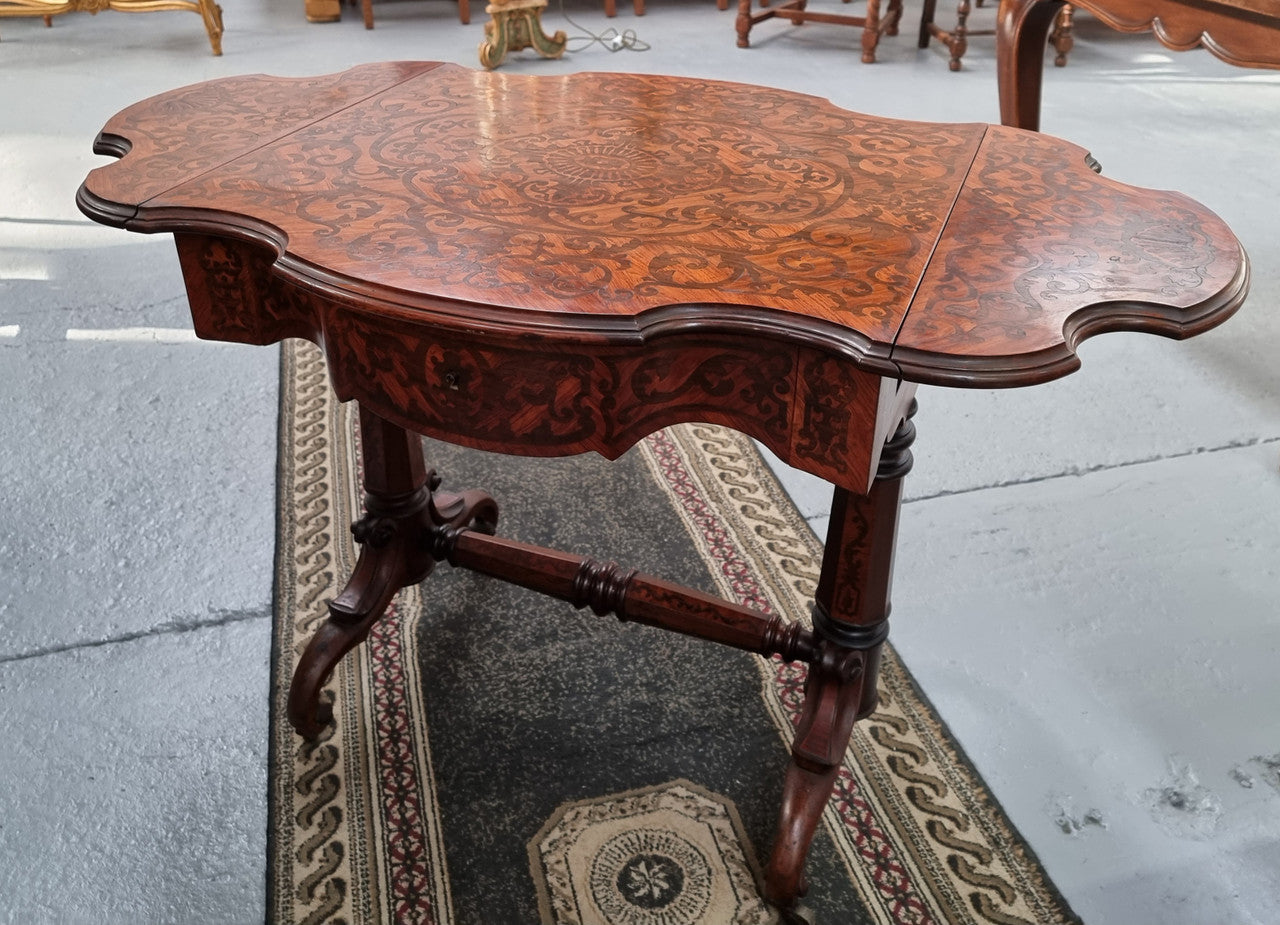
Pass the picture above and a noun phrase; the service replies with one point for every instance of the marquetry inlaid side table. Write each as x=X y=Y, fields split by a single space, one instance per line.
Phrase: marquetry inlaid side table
x=550 y=265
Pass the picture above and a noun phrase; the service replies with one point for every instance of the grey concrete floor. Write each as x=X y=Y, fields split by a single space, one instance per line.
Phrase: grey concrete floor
x=1088 y=574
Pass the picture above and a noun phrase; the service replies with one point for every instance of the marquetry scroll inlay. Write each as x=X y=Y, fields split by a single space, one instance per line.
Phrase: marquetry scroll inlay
x=612 y=211
x=602 y=193
x=1059 y=251
x=183 y=133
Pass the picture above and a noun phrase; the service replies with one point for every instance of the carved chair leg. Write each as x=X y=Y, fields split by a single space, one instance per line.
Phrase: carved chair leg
x=1061 y=38
x=893 y=17
x=401 y=511
x=871 y=32
x=851 y=622
x=743 y=23
x=959 y=42
x=927 y=12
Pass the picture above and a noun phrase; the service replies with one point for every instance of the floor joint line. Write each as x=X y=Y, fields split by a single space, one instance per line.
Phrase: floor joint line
x=1106 y=467
x=164 y=629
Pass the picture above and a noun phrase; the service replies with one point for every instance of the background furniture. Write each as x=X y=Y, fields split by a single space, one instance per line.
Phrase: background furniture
x=515 y=25
x=366 y=10
x=957 y=40
x=611 y=6
x=209 y=11
x=1241 y=32
x=515 y=265
x=797 y=12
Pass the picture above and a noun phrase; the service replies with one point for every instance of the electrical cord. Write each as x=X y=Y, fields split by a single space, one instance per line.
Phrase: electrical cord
x=611 y=38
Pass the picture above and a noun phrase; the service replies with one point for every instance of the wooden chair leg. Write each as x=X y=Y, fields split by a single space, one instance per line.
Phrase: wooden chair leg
x=871 y=32
x=959 y=43
x=743 y=23
x=927 y=12
x=1060 y=38
x=893 y=16
x=366 y=8
x=851 y=623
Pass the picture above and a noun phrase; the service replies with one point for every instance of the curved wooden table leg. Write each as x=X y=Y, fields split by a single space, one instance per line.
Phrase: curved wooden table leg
x=401 y=511
x=1022 y=31
x=851 y=621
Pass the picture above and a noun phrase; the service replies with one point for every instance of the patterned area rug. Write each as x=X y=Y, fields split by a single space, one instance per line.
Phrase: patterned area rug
x=501 y=758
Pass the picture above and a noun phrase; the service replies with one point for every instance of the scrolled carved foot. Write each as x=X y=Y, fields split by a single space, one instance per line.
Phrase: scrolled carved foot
x=839 y=685
x=394 y=553
x=308 y=713
x=804 y=795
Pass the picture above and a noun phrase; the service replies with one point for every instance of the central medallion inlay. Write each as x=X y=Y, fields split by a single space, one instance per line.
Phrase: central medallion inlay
x=613 y=162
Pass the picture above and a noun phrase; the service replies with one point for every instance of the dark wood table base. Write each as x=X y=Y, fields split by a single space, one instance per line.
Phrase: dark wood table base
x=515 y=25
x=410 y=526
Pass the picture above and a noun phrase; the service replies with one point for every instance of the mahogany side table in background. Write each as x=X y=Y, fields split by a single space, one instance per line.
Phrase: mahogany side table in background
x=520 y=264
x=1240 y=32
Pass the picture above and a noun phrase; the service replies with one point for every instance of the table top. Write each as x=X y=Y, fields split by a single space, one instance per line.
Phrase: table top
x=614 y=206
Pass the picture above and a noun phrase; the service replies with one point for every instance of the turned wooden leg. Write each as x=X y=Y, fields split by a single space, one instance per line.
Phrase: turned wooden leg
x=401 y=511
x=850 y=622
x=871 y=32
x=743 y=23
x=959 y=43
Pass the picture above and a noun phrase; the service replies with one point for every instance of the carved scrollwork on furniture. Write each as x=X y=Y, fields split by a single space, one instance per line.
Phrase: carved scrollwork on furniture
x=209 y=11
